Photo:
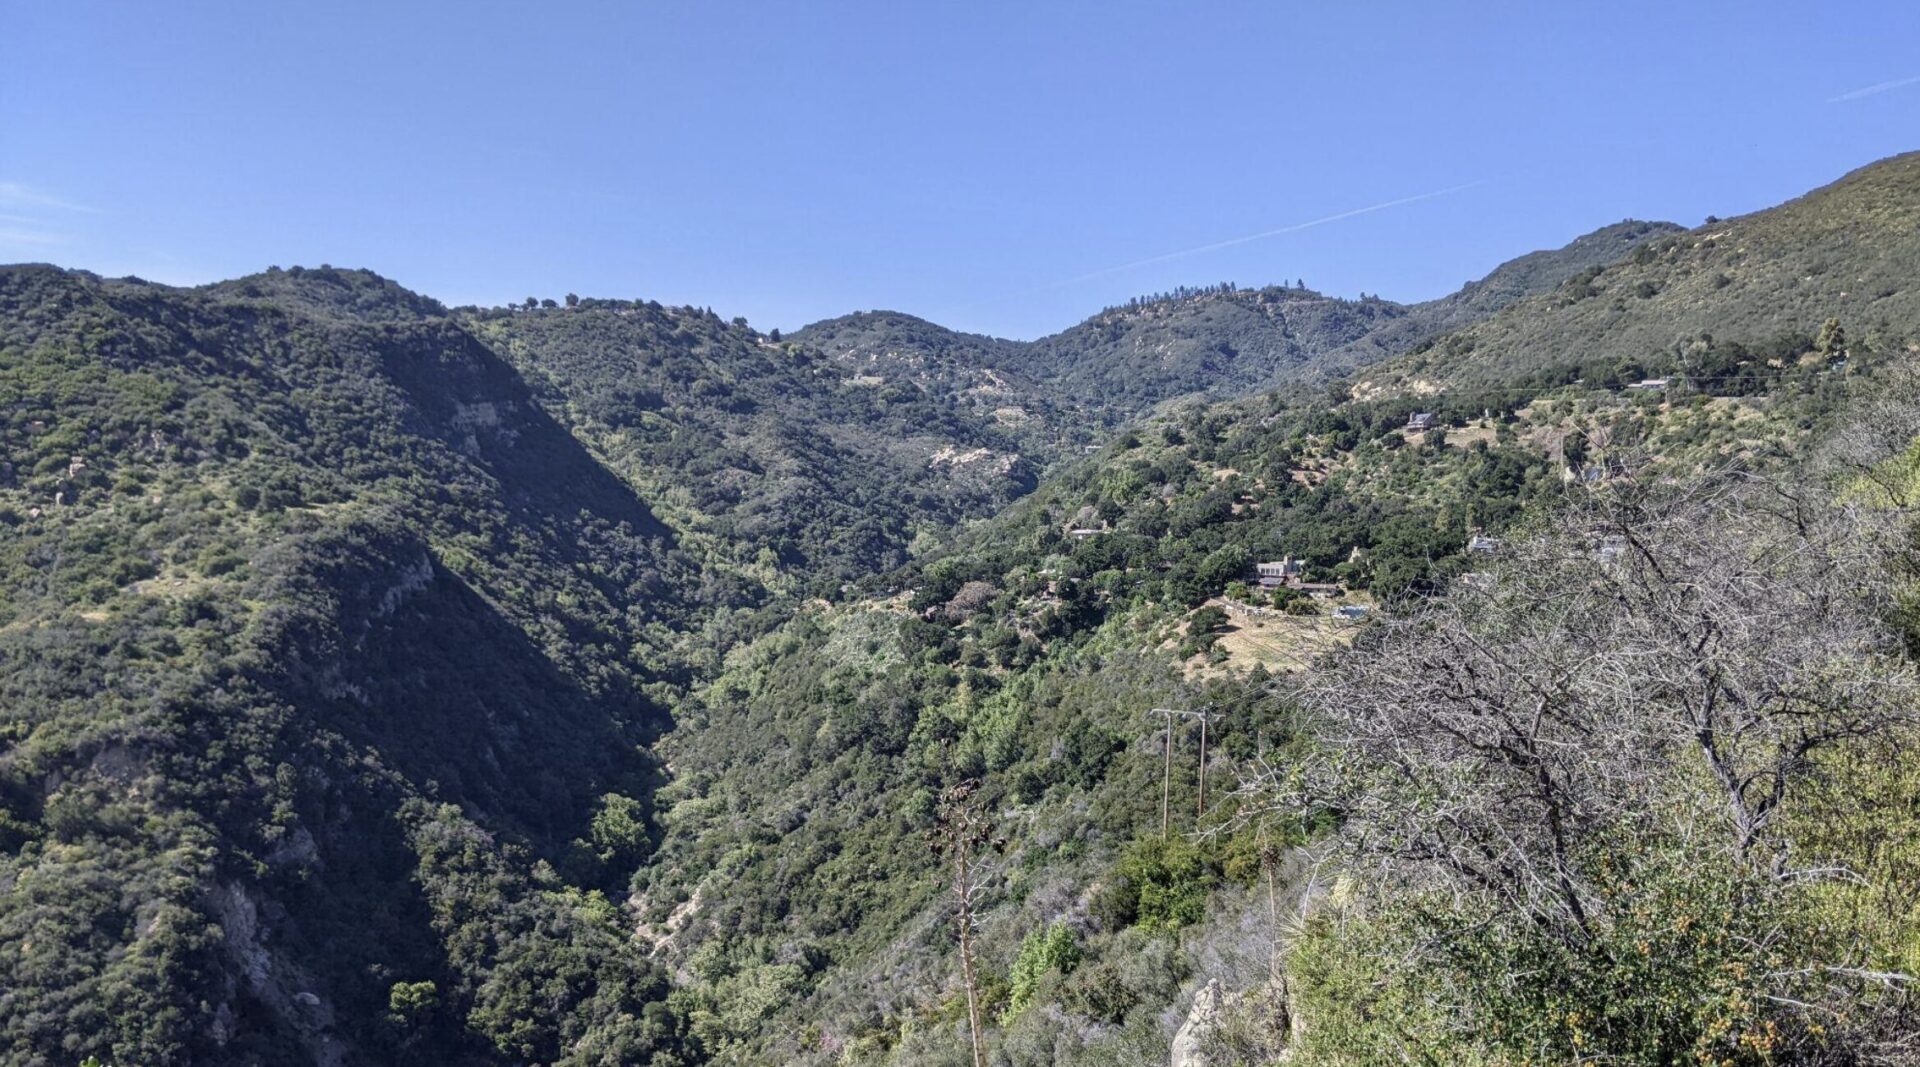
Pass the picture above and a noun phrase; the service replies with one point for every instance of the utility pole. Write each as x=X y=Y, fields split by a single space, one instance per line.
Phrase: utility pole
x=1166 y=770
x=1201 y=811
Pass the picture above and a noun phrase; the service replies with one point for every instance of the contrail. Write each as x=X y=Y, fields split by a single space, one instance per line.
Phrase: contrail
x=1261 y=236
x=29 y=238
x=1871 y=90
x=15 y=194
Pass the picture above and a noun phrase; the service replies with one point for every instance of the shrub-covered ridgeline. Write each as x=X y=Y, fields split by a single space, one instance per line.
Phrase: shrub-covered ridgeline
x=600 y=682
x=1220 y=340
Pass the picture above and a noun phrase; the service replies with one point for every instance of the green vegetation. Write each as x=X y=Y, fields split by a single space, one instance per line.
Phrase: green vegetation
x=1554 y=869
x=1217 y=340
x=841 y=727
x=786 y=469
x=1044 y=954
x=242 y=639
x=1160 y=883
x=581 y=682
x=1783 y=270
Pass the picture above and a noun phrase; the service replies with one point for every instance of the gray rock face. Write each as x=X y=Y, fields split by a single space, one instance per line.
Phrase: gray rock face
x=1237 y=1028
x=270 y=979
x=1190 y=1042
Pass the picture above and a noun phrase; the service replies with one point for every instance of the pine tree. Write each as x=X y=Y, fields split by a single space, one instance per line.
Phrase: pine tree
x=1832 y=339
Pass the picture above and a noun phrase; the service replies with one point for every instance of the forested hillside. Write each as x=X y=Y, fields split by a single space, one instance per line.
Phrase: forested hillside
x=325 y=652
x=1218 y=340
x=1516 y=279
x=599 y=682
x=810 y=921
x=982 y=374
x=1028 y=657
x=796 y=470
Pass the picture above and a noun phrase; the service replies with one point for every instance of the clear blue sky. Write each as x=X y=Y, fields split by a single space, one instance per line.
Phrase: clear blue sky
x=987 y=165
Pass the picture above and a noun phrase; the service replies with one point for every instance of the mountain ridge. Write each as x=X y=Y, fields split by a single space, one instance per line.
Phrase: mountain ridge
x=374 y=673
x=1741 y=279
x=1219 y=341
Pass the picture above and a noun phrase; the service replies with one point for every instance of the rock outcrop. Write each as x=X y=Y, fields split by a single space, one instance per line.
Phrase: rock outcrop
x=1195 y=1036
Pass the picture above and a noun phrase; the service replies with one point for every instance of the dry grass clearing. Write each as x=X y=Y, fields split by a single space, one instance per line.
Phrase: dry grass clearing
x=1280 y=643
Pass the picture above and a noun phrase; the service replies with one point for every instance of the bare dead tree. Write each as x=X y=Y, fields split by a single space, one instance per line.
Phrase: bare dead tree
x=1675 y=662
x=1866 y=449
x=961 y=830
x=1661 y=666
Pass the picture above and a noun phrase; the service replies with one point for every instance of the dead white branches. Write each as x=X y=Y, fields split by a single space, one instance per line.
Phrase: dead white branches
x=1866 y=450
x=1664 y=665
